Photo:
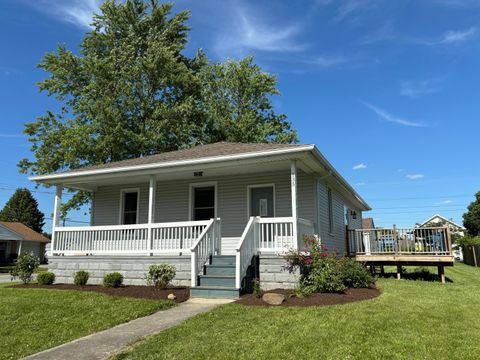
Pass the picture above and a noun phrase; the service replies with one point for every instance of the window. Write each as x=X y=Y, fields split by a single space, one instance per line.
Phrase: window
x=330 y=211
x=203 y=203
x=129 y=207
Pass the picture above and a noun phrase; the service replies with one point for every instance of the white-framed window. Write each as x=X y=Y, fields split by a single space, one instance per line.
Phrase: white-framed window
x=203 y=201
x=330 y=210
x=129 y=206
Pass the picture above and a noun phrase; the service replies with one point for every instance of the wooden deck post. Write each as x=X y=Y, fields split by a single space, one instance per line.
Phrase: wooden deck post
x=399 y=272
x=441 y=273
x=382 y=270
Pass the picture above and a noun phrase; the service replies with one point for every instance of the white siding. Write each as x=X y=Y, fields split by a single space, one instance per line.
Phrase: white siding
x=172 y=200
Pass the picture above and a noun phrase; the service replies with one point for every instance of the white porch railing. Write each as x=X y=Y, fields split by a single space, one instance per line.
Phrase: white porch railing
x=127 y=239
x=204 y=247
x=245 y=250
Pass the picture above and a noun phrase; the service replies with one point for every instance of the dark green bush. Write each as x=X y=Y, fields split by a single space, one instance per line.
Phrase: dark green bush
x=46 y=278
x=113 y=280
x=326 y=277
x=355 y=274
x=25 y=266
x=257 y=288
x=81 y=278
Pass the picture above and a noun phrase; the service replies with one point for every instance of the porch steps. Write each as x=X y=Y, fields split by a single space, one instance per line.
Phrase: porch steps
x=218 y=280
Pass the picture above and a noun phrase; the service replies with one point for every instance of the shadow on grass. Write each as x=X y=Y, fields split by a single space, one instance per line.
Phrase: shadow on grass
x=418 y=274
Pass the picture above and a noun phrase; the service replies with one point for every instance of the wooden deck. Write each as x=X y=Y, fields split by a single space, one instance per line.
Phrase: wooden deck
x=402 y=247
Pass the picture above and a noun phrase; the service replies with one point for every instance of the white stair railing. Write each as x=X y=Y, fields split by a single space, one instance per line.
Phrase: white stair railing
x=203 y=248
x=276 y=234
x=245 y=250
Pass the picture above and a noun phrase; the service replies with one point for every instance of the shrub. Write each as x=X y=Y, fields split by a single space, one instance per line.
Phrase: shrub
x=46 y=278
x=81 y=278
x=160 y=275
x=355 y=274
x=114 y=280
x=257 y=289
x=326 y=277
x=25 y=267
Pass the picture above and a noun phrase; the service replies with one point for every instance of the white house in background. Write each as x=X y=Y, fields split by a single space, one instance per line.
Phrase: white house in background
x=214 y=211
x=16 y=237
x=443 y=221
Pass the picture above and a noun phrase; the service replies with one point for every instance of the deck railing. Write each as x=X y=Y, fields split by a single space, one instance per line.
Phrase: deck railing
x=138 y=239
x=398 y=241
x=245 y=250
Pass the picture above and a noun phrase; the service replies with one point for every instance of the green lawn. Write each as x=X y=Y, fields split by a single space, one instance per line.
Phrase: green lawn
x=410 y=320
x=32 y=320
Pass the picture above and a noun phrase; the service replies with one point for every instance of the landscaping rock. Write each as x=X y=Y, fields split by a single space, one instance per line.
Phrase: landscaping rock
x=273 y=298
x=171 y=297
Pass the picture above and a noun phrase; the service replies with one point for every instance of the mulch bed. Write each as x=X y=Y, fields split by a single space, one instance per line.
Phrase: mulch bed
x=142 y=292
x=350 y=295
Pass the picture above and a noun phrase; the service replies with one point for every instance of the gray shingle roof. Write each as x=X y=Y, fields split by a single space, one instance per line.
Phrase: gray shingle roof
x=197 y=152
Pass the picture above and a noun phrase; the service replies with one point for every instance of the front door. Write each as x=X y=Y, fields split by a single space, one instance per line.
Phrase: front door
x=203 y=203
x=261 y=201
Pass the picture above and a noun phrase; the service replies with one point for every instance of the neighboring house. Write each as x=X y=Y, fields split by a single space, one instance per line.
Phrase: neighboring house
x=16 y=238
x=208 y=210
x=439 y=220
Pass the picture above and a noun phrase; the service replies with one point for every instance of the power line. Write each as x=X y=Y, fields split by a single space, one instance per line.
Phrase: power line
x=419 y=207
x=423 y=197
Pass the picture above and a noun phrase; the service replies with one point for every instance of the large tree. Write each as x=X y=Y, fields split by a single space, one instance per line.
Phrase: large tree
x=471 y=219
x=131 y=92
x=22 y=207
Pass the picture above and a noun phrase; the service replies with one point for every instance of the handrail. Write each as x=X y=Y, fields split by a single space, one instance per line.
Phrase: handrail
x=202 y=249
x=245 y=250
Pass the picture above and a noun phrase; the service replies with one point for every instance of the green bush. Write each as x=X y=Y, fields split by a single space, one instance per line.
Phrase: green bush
x=25 y=266
x=257 y=288
x=355 y=274
x=113 y=280
x=46 y=278
x=468 y=240
x=160 y=275
x=81 y=278
x=326 y=278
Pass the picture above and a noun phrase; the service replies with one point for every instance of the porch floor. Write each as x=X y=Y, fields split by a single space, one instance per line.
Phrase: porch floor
x=407 y=260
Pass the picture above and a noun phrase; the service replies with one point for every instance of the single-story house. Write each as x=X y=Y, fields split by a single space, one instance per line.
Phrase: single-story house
x=214 y=211
x=16 y=237
x=439 y=220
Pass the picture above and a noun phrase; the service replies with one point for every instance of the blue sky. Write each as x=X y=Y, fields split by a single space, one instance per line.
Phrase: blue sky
x=388 y=90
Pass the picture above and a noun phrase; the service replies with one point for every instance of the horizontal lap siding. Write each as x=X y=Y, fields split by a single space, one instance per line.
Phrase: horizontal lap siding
x=337 y=237
x=172 y=200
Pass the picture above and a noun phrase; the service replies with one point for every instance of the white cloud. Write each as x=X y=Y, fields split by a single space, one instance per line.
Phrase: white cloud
x=252 y=33
x=415 y=176
x=447 y=201
x=329 y=61
x=384 y=115
x=360 y=166
x=77 y=12
x=360 y=184
x=400 y=170
x=354 y=10
x=416 y=89
x=451 y=37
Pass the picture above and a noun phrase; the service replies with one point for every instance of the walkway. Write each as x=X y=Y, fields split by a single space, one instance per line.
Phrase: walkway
x=104 y=344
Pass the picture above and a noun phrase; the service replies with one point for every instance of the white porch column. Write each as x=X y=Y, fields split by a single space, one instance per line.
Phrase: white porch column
x=56 y=215
x=293 y=184
x=151 y=210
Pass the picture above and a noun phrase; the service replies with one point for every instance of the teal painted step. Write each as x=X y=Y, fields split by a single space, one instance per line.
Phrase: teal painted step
x=217 y=280
x=219 y=269
x=215 y=292
x=223 y=260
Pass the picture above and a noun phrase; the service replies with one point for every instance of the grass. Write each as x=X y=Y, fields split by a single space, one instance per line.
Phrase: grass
x=33 y=320
x=410 y=320
x=6 y=268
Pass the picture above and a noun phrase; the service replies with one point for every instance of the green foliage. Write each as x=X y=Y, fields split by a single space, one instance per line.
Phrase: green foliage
x=325 y=277
x=468 y=240
x=22 y=207
x=257 y=288
x=46 y=278
x=81 y=278
x=131 y=92
x=355 y=274
x=113 y=280
x=471 y=219
x=160 y=275
x=25 y=266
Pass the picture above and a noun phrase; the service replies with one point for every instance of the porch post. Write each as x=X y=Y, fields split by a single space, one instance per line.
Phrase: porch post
x=56 y=215
x=293 y=184
x=151 y=210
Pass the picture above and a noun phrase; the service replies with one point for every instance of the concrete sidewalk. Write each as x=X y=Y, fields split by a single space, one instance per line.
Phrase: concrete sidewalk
x=106 y=343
